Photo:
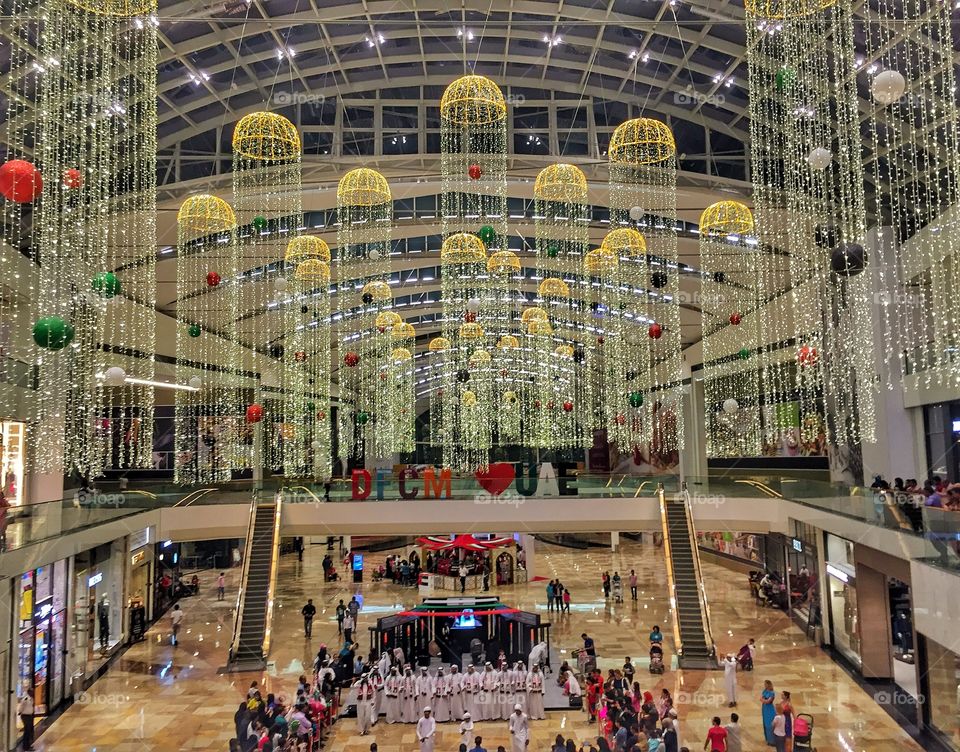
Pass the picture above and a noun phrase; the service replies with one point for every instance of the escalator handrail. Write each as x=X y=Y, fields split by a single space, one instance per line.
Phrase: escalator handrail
x=701 y=590
x=671 y=580
x=272 y=589
x=244 y=574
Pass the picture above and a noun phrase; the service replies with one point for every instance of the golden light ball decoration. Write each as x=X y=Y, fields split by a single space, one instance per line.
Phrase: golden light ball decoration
x=729 y=280
x=93 y=211
x=365 y=220
x=642 y=158
x=208 y=421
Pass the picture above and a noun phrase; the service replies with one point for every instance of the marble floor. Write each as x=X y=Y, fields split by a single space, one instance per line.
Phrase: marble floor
x=160 y=697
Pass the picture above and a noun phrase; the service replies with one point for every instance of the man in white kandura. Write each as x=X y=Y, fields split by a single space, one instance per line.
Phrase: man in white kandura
x=425 y=689
x=391 y=691
x=365 y=695
x=455 y=682
x=538 y=655
x=519 y=730
x=535 y=694
x=730 y=679
x=466 y=730
x=408 y=697
x=376 y=681
x=487 y=695
x=426 y=730
x=471 y=685
x=441 y=697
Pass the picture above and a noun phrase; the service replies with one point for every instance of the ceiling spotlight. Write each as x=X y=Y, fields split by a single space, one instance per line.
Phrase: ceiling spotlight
x=376 y=39
x=552 y=41
x=464 y=32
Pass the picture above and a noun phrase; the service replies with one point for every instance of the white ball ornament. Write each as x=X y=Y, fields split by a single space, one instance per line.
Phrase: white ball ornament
x=636 y=213
x=280 y=284
x=730 y=405
x=316 y=445
x=819 y=158
x=888 y=86
x=473 y=305
x=114 y=376
x=374 y=255
x=194 y=382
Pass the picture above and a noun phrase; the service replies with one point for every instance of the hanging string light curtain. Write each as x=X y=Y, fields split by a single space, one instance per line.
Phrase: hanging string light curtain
x=730 y=326
x=473 y=219
x=209 y=429
x=562 y=237
x=96 y=123
x=365 y=216
x=647 y=383
x=809 y=204
x=308 y=337
x=914 y=163
x=267 y=200
x=604 y=333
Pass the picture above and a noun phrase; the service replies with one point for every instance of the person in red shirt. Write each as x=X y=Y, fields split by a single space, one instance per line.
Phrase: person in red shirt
x=716 y=740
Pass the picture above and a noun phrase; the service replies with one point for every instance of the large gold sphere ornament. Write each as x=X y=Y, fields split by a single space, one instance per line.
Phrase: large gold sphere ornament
x=726 y=218
x=473 y=100
x=387 y=320
x=479 y=358
x=463 y=248
x=118 y=8
x=533 y=314
x=641 y=141
x=508 y=342
x=378 y=290
x=561 y=182
x=600 y=262
x=510 y=398
x=471 y=331
x=468 y=399
x=363 y=187
x=205 y=213
x=503 y=262
x=400 y=354
x=312 y=270
x=266 y=136
x=624 y=241
x=540 y=327
x=785 y=9
x=438 y=344
x=402 y=331
x=307 y=247
x=553 y=288
x=564 y=351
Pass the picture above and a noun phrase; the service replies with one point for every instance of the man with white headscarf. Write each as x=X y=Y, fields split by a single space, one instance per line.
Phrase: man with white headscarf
x=519 y=730
x=535 y=694
x=441 y=697
x=426 y=730
x=466 y=730
x=538 y=655
x=365 y=694
x=471 y=686
x=489 y=683
x=507 y=697
x=376 y=681
x=408 y=697
x=425 y=689
x=391 y=692
x=455 y=681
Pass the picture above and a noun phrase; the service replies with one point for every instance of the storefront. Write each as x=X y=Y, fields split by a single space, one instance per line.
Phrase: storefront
x=745 y=548
x=141 y=571
x=803 y=566
x=941 y=688
x=12 y=446
x=841 y=583
x=98 y=615
x=41 y=632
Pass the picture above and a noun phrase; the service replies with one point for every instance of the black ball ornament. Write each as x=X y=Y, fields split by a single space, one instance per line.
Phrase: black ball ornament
x=463 y=375
x=276 y=351
x=367 y=298
x=719 y=277
x=659 y=279
x=304 y=309
x=578 y=355
x=848 y=260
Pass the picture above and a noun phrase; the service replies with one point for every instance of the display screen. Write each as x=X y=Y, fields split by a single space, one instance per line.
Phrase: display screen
x=466 y=620
x=357 y=562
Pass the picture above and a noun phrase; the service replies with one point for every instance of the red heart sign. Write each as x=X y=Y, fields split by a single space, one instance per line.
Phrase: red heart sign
x=496 y=478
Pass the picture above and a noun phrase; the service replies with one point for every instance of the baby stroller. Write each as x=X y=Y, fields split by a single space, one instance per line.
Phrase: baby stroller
x=803 y=733
x=618 y=591
x=656 y=659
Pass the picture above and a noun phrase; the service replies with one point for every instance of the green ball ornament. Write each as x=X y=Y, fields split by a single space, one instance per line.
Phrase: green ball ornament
x=743 y=354
x=311 y=406
x=785 y=78
x=362 y=418
x=194 y=330
x=106 y=284
x=636 y=399
x=259 y=222
x=53 y=333
x=553 y=251
x=487 y=234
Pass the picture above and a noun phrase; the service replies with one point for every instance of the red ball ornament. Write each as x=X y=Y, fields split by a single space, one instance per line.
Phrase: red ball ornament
x=474 y=172
x=621 y=419
x=551 y=404
x=383 y=376
x=321 y=415
x=807 y=355
x=568 y=406
x=735 y=318
x=537 y=403
x=20 y=181
x=254 y=414
x=381 y=329
x=72 y=178
x=655 y=331
x=300 y=356
x=601 y=340
x=504 y=372
x=213 y=279
x=469 y=317
x=351 y=359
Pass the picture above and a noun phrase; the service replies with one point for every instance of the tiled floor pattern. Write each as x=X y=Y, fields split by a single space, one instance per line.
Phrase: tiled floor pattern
x=158 y=697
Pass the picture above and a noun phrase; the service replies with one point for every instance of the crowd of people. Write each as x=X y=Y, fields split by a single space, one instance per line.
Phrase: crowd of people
x=271 y=724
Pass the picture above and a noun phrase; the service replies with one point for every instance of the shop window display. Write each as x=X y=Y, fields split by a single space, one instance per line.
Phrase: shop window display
x=842 y=584
x=943 y=691
x=744 y=546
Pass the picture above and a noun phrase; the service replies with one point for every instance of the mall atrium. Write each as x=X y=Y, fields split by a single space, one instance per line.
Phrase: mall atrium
x=416 y=376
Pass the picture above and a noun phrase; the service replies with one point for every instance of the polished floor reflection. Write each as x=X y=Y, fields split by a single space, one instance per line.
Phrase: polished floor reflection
x=157 y=697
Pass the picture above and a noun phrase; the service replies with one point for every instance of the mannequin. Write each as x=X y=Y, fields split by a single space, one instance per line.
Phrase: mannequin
x=103 y=617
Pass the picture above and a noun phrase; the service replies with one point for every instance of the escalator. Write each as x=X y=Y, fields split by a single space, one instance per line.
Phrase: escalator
x=695 y=646
x=251 y=643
